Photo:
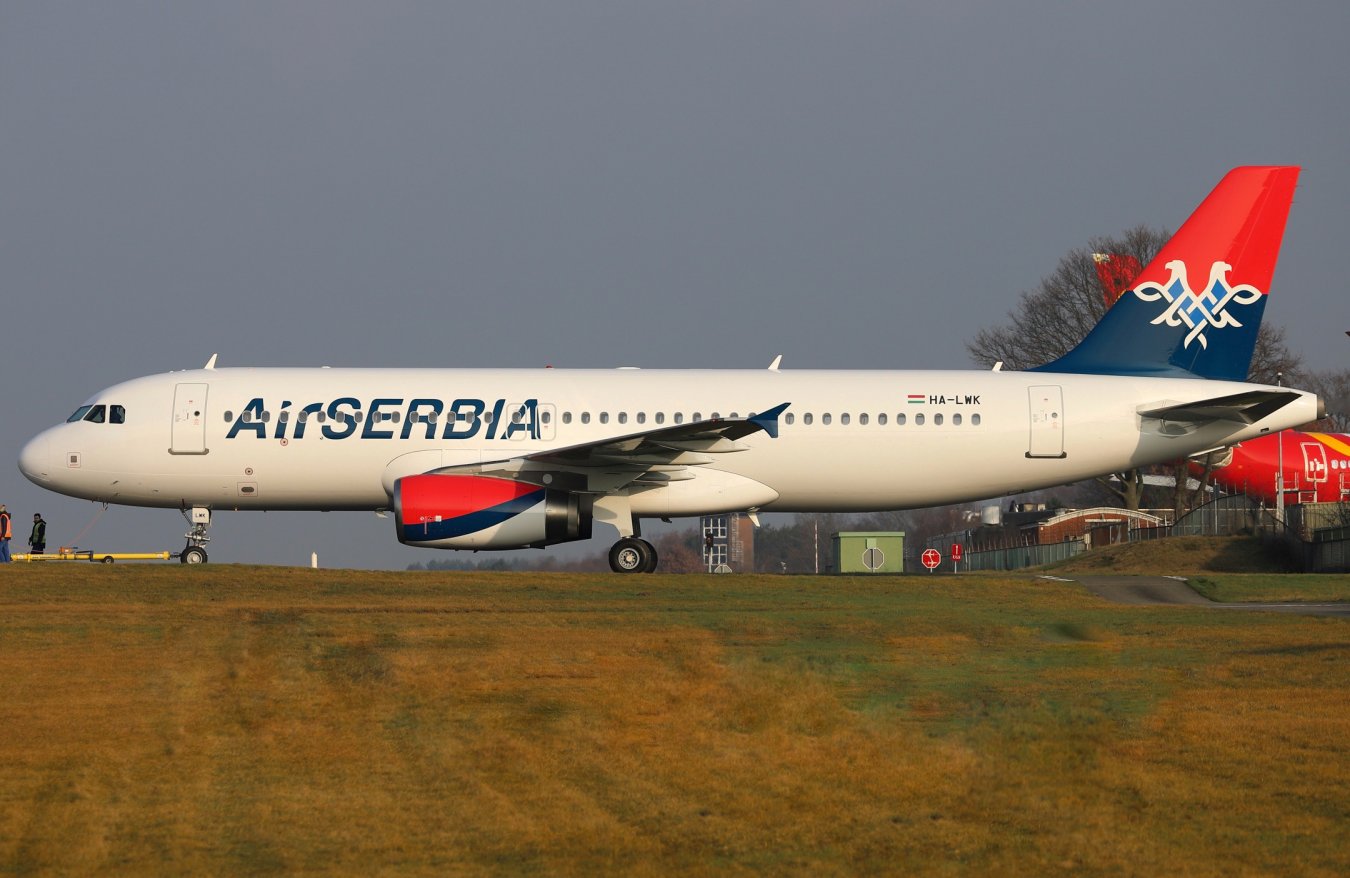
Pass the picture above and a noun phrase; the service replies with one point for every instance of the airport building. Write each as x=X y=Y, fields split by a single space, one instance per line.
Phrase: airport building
x=728 y=543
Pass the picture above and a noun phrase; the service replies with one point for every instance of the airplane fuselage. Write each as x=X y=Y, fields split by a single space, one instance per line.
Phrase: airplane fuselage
x=335 y=439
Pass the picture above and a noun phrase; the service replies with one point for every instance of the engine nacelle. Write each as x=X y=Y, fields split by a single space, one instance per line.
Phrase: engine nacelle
x=485 y=512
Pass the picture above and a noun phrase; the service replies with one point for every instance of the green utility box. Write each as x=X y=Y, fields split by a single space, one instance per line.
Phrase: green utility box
x=869 y=552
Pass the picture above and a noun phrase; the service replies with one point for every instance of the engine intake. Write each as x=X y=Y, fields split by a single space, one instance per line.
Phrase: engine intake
x=486 y=512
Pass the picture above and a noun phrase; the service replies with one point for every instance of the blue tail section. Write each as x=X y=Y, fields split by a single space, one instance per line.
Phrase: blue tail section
x=1196 y=308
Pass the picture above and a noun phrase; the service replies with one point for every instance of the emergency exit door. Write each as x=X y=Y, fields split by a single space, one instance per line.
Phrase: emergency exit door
x=189 y=419
x=1047 y=421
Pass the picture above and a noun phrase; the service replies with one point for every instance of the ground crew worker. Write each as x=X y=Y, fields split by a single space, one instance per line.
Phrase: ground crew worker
x=6 y=531
x=37 y=540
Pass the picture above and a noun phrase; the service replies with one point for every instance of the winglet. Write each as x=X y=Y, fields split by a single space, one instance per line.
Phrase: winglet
x=211 y=363
x=768 y=421
x=773 y=367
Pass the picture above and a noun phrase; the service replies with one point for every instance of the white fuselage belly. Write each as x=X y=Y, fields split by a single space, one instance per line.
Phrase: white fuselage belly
x=990 y=424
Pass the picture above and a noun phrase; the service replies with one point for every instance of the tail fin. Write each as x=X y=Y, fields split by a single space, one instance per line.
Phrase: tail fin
x=1163 y=325
x=1116 y=273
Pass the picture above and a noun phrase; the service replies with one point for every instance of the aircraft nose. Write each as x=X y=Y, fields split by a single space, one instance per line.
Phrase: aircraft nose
x=33 y=459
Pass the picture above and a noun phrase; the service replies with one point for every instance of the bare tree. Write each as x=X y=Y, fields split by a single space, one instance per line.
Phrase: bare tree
x=1272 y=358
x=677 y=553
x=1331 y=387
x=1051 y=319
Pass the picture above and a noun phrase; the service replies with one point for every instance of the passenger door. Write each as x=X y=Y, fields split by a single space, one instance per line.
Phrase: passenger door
x=189 y=419
x=1047 y=421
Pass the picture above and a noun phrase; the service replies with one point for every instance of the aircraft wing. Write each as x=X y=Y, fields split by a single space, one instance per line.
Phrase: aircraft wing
x=650 y=457
x=1241 y=408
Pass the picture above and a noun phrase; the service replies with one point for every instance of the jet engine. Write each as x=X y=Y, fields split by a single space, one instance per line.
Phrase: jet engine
x=485 y=512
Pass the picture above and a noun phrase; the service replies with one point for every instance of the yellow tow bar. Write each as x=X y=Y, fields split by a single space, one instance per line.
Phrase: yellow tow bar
x=90 y=555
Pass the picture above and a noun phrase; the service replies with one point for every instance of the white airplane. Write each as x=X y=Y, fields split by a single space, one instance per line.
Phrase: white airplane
x=505 y=459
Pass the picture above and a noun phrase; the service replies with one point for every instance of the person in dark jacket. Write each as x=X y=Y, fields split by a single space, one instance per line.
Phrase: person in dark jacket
x=37 y=540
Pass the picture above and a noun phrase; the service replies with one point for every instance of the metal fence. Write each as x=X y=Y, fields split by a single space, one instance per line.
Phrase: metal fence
x=1317 y=540
x=1315 y=535
x=1017 y=557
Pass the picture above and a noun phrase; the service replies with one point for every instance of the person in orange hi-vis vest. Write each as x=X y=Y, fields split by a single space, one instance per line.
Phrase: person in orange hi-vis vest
x=6 y=531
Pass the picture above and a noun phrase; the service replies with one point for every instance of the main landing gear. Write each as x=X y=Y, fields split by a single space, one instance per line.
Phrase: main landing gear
x=632 y=555
x=195 y=550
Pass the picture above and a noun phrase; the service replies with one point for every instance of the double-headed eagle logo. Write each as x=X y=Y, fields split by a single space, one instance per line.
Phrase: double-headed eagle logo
x=1198 y=311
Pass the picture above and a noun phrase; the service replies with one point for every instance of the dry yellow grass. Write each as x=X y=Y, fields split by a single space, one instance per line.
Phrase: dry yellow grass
x=254 y=720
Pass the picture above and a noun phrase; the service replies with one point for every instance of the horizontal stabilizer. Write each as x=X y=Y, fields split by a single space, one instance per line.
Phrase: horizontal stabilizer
x=1240 y=408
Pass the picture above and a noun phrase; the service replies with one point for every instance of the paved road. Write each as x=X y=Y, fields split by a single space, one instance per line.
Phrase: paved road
x=1163 y=590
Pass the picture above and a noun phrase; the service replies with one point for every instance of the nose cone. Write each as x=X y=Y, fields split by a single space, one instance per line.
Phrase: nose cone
x=34 y=460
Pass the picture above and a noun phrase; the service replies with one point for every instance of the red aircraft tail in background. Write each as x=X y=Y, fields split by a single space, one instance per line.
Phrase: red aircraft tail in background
x=1116 y=273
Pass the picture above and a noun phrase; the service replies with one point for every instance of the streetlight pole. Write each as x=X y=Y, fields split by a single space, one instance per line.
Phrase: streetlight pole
x=1279 y=472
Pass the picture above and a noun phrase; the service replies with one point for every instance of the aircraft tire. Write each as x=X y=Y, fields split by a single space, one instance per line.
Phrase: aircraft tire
x=631 y=555
x=651 y=565
x=194 y=555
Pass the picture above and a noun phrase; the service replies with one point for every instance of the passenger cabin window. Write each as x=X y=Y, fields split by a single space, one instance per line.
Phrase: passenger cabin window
x=862 y=420
x=790 y=418
x=806 y=419
x=881 y=419
x=843 y=419
x=975 y=420
x=900 y=419
x=567 y=417
x=585 y=417
x=623 y=417
x=918 y=420
x=956 y=420
x=825 y=418
x=604 y=417
x=937 y=419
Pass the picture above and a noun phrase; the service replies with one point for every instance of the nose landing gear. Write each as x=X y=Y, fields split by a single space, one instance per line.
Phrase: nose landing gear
x=195 y=550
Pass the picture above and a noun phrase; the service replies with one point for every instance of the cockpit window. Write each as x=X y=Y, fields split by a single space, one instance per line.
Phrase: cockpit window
x=117 y=414
x=79 y=414
x=97 y=414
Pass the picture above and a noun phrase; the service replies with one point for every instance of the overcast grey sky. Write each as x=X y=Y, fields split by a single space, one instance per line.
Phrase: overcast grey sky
x=850 y=184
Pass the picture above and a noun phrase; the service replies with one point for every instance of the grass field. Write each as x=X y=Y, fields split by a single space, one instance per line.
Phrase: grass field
x=228 y=720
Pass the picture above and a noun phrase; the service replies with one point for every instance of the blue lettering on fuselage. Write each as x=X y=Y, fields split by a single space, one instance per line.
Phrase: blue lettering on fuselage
x=464 y=419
